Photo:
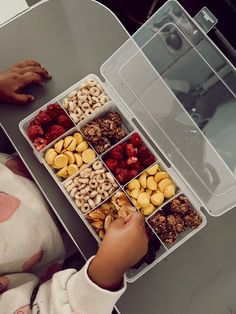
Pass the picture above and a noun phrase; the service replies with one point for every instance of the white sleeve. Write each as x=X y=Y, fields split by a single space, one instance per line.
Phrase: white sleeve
x=67 y=292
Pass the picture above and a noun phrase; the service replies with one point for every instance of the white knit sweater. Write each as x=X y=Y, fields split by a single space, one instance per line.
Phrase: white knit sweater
x=31 y=249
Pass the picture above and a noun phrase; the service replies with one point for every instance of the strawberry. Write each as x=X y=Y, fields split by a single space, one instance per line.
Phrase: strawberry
x=40 y=143
x=34 y=131
x=136 y=140
x=111 y=164
x=42 y=118
x=56 y=131
x=131 y=151
x=65 y=121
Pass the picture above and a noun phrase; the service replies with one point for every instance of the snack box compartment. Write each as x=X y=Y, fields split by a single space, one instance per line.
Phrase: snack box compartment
x=75 y=137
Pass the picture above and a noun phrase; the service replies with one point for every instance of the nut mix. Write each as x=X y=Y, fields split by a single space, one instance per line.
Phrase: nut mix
x=92 y=186
x=174 y=218
x=127 y=160
x=48 y=125
x=69 y=155
x=104 y=132
x=150 y=189
x=83 y=102
x=101 y=218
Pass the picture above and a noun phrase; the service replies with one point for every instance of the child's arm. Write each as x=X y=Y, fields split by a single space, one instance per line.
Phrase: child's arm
x=94 y=289
x=18 y=77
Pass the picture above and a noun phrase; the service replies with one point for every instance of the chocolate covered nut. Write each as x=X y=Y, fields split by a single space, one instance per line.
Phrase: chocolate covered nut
x=115 y=117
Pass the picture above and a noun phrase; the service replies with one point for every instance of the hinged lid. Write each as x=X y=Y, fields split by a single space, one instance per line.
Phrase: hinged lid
x=181 y=90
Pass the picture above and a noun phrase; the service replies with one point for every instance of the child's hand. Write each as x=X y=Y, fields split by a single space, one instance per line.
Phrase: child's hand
x=125 y=243
x=19 y=76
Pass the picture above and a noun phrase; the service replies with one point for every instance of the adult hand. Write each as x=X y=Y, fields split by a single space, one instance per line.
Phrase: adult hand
x=18 y=77
x=124 y=244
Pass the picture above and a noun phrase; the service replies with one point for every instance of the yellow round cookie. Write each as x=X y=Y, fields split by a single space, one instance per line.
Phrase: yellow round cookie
x=160 y=176
x=151 y=183
x=78 y=160
x=50 y=155
x=152 y=170
x=82 y=147
x=83 y=167
x=135 y=193
x=134 y=184
x=143 y=180
x=149 y=191
x=70 y=156
x=72 y=145
x=67 y=141
x=163 y=183
x=58 y=146
x=62 y=173
x=143 y=199
x=148 y=210
x=79 y=138
x=60 y=161
x=157 y=198
x=88 y=155
x=72 y=169
x=169 y=191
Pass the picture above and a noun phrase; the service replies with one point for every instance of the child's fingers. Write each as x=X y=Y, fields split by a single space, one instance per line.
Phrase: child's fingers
x=33 y=69
x=29 y=78
x=134 y=218
x=21 y=99
x=26 y=63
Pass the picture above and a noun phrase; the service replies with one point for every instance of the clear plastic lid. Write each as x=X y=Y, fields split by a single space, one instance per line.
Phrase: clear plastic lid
x=181 y=91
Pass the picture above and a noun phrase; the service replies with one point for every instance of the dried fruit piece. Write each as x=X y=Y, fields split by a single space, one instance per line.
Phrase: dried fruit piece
x=152 y=170
x=143 y=180
x=58 y=146
x=62 y=173
x=151 y=183
x=169 y=191
x=72 y=169
x=157 y=198
x=70 y=156
x=34 y=131
x=40 y=143
x=134 y=184
x=78 y=160
x=79 y=138
x=143 y=199
x=50 y=156
x=136 y=140
x=88 y=155
x=65 y=121
x=111 y=164
x=56 y=131
x=148 y=210
x=163 y=184
x=72 y=145
x=82 y=147
x=160 y=176
x=60 y=161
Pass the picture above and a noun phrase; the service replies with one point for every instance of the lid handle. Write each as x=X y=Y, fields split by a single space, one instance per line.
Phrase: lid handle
x=205 y=19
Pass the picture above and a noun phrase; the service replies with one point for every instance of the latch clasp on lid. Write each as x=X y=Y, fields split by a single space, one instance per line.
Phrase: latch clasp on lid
x=205 y=19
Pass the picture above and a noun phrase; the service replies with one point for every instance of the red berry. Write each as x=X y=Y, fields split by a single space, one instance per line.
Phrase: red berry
x=117 y=152
x=40 y=143
x=65 y=121
x=48 y=138
x=34 y=131
x=42 y=118
x=55 y=110
x=56 y=131
x=123 y=176
x=111 y=164
x=136 y=166
x=131 y=151
x=136 y=140
x=123 y=164
x=132 y=160
x=149 y=161
x=144 y=152
x=133 y=173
